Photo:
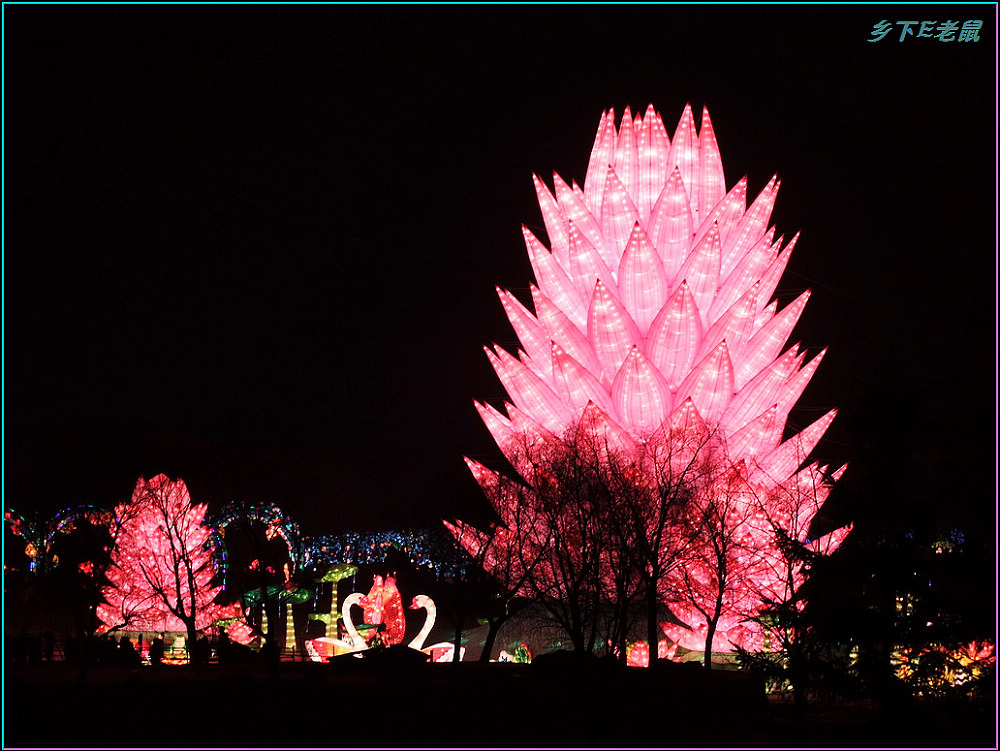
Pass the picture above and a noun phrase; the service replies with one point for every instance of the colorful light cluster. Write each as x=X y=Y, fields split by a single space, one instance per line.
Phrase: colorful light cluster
x=654 y=322
x=430 y=549
x=161 y=563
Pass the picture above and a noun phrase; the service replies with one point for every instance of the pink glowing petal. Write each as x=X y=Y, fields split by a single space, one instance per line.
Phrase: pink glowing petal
x=758 y=437
x=725 y=213
x=711 y=179
x=587 y=265
x=618 y=217
x=530 y=332
x=654 y=150
x=673 y=337
x=577 y=385
x=644 y=286
x=769 y=279
x=746 y=273
x=555 y=223
x=787 y=457
x=606 y=430
x=564 y=332
x=671 y=224
x=734 y=326
x=797 y=383
x=684 y=156
x=530 y=392
x=828 y=543
x=765 y=315
x=490 y=481
x=701 y=269
x=710 y=383
x=554 y=281
x=760 y=392
x=765 y=345
x=751 y=226
x=576 y=211
x=641 y=395
x=611 y=329
x=601 y=157
x=498 y=425
x=626 y=162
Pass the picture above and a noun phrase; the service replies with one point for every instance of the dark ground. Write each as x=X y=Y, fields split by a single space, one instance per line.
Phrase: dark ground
x=357 y=704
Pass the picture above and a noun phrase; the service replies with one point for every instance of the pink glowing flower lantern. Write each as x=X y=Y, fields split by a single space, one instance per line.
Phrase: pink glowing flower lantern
x=384 y=605
x=653 y=320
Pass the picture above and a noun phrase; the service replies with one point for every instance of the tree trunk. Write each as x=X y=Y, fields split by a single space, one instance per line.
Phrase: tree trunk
x=652 y=624
x=456 y=655
x=709 y=638
x=491 y=638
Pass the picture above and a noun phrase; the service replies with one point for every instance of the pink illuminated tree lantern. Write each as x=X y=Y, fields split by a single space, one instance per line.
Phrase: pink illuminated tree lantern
x=162 y=566
x=654 y=320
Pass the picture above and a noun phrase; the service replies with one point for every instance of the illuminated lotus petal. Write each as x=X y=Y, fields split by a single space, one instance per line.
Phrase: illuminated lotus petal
x=601 y=157
x=797 y=383
x=710 y=384
x=701 y=269
x=671 y=225
x=711 y=181
x=611 y=329
x=555 y=223
x=725 y=213
x=640 y=393
x=767 y=343
x=530 y=332
x=746 y=274
x=577 y=385
x=758 y=437
x=626 y=164
x=771 y=276
x=830 y=542
x=587 y=265
x=563 y=332
x=787 y=457
x=498 y=425
x=653 y=152
x=751 y=227
x=760 y=392
x=734 y=326
x=575 y=211
x=554 y=282
x=529 y=391
x=618 y=216
x=675 y=335
x=643 y=282
x=684 y=156
x=606 y=430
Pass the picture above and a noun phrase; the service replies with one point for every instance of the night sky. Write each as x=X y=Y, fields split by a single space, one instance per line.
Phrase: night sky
x=256 y=247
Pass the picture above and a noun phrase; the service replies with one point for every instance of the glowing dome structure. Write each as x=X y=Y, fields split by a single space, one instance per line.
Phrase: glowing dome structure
x=653 y=321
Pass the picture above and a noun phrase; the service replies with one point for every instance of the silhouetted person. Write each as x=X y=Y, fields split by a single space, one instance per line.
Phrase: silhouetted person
x=126 y=652
x=48 y=646
x=201 y=651
x=156 y=651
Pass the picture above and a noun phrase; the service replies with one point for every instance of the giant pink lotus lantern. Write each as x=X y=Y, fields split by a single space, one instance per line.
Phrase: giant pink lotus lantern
x=654 y=320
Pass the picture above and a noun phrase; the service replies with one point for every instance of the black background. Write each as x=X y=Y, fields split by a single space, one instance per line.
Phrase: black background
x=256 y=247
